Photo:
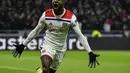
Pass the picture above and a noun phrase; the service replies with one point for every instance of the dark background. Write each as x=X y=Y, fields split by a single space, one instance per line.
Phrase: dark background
x=110 y=17
x=92 y=14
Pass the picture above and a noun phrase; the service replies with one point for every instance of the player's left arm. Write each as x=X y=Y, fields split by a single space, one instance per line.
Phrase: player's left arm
x=84 y=42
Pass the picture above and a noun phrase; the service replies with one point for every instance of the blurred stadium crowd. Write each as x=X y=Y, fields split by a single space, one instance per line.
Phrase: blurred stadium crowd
x=92 y=14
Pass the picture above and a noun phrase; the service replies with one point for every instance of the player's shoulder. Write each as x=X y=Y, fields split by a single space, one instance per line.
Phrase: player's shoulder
x=48 y=10
x=68 y=14
x=49 y=13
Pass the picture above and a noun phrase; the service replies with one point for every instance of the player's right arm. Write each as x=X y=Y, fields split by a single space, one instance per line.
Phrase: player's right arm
x=19 y=48
x=35 y=31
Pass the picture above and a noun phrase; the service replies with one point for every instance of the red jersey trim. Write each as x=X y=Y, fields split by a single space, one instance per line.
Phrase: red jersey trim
x=68 y=14
x=49 y=13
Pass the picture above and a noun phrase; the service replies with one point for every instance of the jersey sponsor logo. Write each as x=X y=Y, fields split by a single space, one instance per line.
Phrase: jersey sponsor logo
x=55 y=30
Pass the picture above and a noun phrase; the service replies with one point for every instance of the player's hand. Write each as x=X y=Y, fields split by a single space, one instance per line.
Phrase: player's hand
x=92 y=60
x=18 y=51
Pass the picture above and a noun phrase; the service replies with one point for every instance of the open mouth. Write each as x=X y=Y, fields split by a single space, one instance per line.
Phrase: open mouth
x=56 y=5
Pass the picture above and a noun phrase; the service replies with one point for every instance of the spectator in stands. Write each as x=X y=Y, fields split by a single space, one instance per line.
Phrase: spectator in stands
x=92 y=14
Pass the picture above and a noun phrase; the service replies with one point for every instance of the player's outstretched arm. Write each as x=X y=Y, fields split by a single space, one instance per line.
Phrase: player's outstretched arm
x=92 y=60
x=84 y=42
x=35 y=31
x=19 y=48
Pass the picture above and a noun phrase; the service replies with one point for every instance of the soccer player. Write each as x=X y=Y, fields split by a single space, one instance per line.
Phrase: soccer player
x=58 y=22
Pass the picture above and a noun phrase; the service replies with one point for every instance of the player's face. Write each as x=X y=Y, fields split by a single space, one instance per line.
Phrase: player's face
x=58 y=4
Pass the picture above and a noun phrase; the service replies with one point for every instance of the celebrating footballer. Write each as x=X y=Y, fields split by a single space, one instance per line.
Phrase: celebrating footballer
x=57 y=22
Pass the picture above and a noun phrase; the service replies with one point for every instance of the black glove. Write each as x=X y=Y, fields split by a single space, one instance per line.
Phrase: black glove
x=92 y=60
x=18 y=51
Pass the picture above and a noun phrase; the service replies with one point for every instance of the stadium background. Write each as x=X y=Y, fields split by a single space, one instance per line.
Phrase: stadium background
x=105 y=22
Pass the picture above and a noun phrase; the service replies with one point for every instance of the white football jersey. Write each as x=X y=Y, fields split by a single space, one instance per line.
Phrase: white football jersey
x=58 y=27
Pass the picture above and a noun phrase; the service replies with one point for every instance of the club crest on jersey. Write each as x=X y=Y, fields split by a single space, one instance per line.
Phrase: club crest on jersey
x=64 y=24
x=43 y=51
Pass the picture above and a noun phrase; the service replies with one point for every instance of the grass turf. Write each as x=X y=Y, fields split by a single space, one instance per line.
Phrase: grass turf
x=74 y=62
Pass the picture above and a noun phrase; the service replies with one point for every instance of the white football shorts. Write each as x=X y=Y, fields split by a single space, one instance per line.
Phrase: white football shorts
x=56 y=56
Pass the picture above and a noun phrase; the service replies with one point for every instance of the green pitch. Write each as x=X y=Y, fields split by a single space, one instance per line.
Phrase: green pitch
x=74 y=62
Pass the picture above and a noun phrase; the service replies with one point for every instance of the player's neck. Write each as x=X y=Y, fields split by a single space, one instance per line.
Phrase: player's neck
x=59 y=12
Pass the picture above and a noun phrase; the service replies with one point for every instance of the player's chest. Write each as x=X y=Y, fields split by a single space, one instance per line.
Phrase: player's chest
x=57 y=23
